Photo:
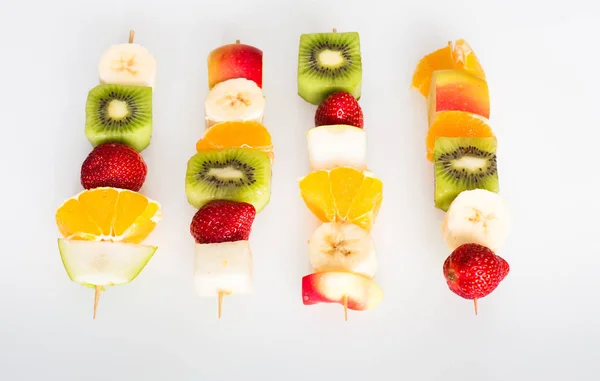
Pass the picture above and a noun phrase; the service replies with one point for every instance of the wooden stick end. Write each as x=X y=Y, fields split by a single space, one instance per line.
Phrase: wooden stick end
x=98 y=289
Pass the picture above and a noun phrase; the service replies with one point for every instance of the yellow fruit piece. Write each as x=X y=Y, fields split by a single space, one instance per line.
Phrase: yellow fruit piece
x=459 y=56
x=246 y=134
x=108 y=214
x=465 y=59
x=343 y=194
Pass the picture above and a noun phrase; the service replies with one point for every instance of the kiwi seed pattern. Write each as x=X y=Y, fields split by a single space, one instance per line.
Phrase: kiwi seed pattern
x=234 y=174
x=462 y=174
x=323 y=45
x=340 y=70
x=104 y=115
x=131 y=120
x=247 y=177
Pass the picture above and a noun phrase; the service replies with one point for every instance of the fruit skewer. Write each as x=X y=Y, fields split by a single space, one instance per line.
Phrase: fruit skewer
x=340 y=190
x=103 y=226
x=462 y=147
x=228 y=180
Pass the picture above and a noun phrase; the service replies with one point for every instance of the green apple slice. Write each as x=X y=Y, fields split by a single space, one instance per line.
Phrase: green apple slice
x=98 y=264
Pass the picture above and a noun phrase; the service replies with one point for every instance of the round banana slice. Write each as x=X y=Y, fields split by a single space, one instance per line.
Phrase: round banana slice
x=336 y=246
x=477 y=216
x=127 y=64
x=237 y=99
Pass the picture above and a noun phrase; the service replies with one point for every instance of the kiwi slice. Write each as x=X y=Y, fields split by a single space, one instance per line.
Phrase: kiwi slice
x=119 y=113
x=328 y=63
x=236 y=174
x=463 y=164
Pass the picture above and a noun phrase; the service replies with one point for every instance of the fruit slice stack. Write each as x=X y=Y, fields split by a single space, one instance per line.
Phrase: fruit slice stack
x=462 y=147
x=229 y=178
x=340 y=190
x=103 y=226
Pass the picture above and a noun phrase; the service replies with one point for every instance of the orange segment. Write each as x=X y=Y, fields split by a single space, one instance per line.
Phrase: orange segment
x=343 y=194
x=73 y=218
x=441 y=59
x=457 y=124
x=100 y=207
x=108 y=214
x=316 y=192
x=237 y=135
x=145 y=223
x=466 y=60
x=459 y=56
x=345 y=184
x=365 y=206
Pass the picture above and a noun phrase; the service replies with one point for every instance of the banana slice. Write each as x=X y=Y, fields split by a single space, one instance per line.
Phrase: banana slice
x=477 y=216
x=127 y=64
x=338 y=246
x=236 y=99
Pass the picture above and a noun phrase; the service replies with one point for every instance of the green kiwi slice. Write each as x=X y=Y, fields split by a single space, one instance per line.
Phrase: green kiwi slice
x=119 y=113
x=328 y=63
x=236 y=174
x=463 y=164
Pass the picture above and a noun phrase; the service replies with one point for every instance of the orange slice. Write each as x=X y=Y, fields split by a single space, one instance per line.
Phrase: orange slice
x=459 y=56
x=456 y=124
x=108 y=214
x=343 y=194
x=237 y=135
x=466 y=60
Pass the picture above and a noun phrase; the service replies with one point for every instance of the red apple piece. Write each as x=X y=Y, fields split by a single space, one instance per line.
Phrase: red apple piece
x=235 y=61
x=453 y=90
x=361 y=292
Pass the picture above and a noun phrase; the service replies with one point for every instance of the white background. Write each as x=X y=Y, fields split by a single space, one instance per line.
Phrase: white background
x=541 y=323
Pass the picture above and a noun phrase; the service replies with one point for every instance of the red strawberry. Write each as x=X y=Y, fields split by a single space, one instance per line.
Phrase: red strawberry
x=223 y=221
x=113 y=165
x=339 y=108
x=473 y=271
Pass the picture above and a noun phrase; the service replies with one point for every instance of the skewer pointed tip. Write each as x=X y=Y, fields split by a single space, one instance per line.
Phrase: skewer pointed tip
x=345 y=300
x=220 y=302
x=334 y=30
x=131 y=36
x=475 y=305
x=237 y=41
x=96 y=299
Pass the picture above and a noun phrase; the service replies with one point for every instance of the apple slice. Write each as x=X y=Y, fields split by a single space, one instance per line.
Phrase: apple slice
x=223 y=268
x=361 y=292
x=337 y=146
x=235 y=61
x=453 y=90
x=100 y=263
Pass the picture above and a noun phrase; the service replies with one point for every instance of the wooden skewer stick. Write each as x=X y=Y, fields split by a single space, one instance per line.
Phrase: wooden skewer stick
x=334 y=30
x=475 y=305
x=345 y=301
x=220 y=308
x=237 y=41
x=98 y=289
x=97 y=299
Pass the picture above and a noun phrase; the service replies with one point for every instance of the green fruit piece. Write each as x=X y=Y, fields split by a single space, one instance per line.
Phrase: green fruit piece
x=119 y=113
x=101 y=263
x=329 y=63
x=236 y=174
x=463 y=164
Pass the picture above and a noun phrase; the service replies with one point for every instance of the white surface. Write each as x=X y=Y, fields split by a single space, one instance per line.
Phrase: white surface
x=540 y=324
